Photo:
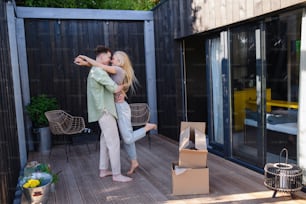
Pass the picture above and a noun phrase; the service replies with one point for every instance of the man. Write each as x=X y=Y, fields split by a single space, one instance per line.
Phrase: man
x=101 y=108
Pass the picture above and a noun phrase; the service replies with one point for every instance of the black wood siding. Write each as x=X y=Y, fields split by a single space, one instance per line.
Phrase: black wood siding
x=9 y=152
x=173 y=20
x=53 y=44
x=168 y=68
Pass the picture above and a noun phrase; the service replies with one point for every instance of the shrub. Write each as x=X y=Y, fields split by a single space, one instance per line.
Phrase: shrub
x=37 y=108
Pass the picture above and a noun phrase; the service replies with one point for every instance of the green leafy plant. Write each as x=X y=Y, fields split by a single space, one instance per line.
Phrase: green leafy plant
x=46 y=168
x=93 y=4
x=37 y=108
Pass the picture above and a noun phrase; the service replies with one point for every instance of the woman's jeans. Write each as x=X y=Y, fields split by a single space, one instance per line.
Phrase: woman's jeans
x=126 y=129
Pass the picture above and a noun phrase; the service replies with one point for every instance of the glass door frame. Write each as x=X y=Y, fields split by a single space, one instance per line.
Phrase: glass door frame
x=260 y=102
x=226 y=150
x=261 y=94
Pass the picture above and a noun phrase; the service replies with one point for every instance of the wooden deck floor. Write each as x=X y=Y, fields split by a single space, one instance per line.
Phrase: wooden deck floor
x=79 y=182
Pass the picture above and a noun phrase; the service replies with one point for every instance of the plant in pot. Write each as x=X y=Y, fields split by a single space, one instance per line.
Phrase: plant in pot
x=37 y=181
x=36 y=110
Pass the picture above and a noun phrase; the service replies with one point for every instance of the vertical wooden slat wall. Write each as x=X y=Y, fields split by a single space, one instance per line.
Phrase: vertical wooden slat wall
x=9 y=153
x=196 y=16
x=167 y=24
x=53 y=44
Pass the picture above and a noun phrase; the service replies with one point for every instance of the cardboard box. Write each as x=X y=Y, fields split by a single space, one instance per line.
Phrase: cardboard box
x=189 y=181
x=193 y=148
x=199 y=125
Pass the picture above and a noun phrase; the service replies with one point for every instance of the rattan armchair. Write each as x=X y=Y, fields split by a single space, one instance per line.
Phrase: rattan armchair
x=62 y=123
x=140 y=116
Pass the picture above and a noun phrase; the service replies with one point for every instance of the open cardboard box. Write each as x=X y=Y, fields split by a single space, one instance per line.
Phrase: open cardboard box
x=193 y=156
x=188 y=181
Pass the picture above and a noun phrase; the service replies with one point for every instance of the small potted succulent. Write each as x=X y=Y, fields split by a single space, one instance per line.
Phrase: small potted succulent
x=36 y=110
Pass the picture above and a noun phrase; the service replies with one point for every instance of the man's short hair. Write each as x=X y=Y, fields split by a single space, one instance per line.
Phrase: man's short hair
x=102 y=49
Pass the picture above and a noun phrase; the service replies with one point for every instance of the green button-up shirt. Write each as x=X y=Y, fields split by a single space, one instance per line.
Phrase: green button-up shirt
x=100 y=94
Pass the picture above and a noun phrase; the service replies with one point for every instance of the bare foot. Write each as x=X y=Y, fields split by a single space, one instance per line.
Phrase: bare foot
x=121 y=178
x=104 y=173
x=134 y=166
x=150 y=126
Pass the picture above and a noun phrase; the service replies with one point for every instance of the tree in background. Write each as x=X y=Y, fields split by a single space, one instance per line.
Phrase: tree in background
x=92 y=4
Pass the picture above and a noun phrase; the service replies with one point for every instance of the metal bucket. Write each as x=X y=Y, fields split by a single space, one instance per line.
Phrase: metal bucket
x=283 y=174
x=42 y=140
x=39 y=194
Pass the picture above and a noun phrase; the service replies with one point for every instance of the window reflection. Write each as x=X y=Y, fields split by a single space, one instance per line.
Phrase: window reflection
x=243 y=73
x=282 y=45
x=283 y=52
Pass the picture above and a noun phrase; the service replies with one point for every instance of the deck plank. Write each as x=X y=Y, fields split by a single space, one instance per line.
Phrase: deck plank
x=79 y=182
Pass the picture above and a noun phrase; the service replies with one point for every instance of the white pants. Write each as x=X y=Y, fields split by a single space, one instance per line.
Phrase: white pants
x=109 y=144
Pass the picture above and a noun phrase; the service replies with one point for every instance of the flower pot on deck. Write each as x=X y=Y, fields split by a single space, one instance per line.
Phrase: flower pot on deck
x=42 y=139
x=39 y=194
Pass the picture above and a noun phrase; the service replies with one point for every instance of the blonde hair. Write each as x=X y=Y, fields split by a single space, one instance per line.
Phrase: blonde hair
x=130 y=80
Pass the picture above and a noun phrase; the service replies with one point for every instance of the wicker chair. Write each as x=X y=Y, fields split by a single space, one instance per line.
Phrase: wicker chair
x=140 y=115
x=62 y=123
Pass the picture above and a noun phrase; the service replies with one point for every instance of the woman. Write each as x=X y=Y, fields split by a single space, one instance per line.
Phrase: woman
x=122 y=72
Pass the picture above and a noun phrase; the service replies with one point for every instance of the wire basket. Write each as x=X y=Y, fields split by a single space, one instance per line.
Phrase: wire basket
x=283 y=177
x=140 y=114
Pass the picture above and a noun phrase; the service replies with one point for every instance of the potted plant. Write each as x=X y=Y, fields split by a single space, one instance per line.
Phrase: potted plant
x=36 y=110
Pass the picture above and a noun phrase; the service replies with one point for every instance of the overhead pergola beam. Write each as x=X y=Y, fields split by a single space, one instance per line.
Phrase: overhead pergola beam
x=82 y=14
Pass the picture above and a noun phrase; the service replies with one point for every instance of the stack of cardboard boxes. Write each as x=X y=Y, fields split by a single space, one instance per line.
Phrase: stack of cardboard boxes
x=190 y=174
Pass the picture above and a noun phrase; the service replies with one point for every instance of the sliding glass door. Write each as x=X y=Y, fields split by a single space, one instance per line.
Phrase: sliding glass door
x=283 y=37
x=245 y=65
x=252 y=73
x=264 y=73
